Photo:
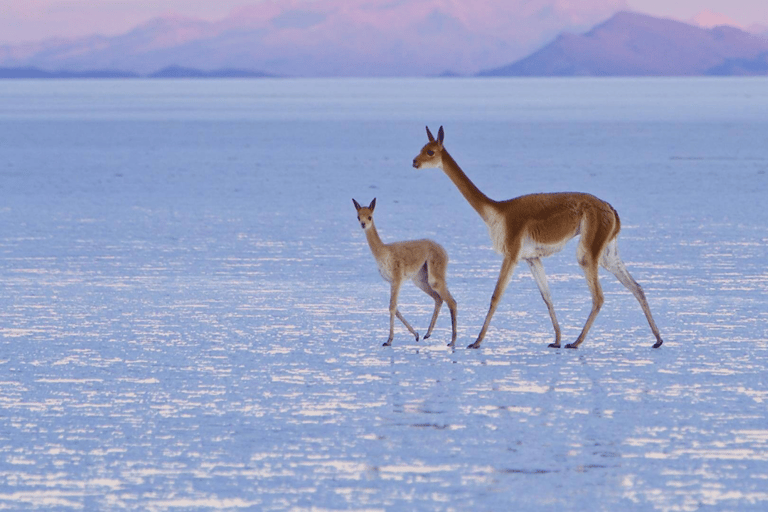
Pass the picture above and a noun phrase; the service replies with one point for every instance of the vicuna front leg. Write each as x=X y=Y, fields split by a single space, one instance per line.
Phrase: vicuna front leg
x=394 y=312
x=537 y=269
x=507 y=267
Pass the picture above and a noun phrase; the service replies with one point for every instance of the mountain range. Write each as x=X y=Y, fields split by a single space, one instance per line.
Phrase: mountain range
x=327 y=38
x=630 y=44
x=402 y=38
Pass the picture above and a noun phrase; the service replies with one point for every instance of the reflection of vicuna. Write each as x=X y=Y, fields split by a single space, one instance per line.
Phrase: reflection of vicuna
x=422 y=261
x=533 y=226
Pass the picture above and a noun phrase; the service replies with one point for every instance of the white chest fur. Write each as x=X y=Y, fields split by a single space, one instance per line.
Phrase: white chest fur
x=384 y=270
x=497 y=230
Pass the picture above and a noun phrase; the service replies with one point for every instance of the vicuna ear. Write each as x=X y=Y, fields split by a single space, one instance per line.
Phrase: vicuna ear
x=440 y=136
x=429 y=135
x=357 y=205
x=373 y=205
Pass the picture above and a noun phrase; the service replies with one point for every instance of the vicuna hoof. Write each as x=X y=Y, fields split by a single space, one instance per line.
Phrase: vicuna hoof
x=658 y=344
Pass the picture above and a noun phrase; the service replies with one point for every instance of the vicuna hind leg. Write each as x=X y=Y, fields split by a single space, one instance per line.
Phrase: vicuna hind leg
x=588 y=262
x=612 y=262
x=590 y=272
x=395 y=312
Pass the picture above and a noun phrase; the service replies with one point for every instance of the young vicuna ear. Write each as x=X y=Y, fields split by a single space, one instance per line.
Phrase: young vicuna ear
x=440 y=137
x=372 y=205
x=357 y=205
x=430 y=136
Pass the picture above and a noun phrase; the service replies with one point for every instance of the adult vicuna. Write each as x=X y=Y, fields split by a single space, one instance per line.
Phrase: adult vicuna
x=422 y=261
x=534 y=226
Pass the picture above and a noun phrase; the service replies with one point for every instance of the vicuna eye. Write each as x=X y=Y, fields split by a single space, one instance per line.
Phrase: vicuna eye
x=369 y=218
x=430 y=152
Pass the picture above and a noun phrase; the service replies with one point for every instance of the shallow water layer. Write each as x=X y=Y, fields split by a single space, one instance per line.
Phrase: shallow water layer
x=191 y=318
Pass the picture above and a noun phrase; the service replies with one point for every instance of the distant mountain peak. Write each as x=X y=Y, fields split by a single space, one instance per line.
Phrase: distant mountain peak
x=637 y=44
x=709 y=19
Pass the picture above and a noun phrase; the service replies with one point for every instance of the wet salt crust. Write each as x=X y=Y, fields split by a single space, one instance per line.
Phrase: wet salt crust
x=191 y=317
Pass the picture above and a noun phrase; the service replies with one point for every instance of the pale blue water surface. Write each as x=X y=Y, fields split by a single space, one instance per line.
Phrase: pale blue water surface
x=190 y=317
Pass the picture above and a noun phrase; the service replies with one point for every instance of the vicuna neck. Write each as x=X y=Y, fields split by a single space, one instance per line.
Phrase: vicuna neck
x=374 y=242
x=479 y=201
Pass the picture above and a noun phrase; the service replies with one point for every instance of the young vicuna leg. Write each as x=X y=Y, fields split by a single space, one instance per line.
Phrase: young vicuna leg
x=613 y=264
x=421 y=280
x=394 y=312
x=442 y=289
x=437 y=266
x=537 y=269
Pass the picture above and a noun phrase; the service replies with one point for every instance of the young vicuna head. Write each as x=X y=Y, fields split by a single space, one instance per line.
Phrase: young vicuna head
x=431 y=153
x=365 y=213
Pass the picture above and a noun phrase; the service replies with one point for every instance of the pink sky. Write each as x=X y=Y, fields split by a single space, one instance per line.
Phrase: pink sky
x=35 y=20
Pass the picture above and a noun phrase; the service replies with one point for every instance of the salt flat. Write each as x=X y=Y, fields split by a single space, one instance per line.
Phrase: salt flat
x=191 y=317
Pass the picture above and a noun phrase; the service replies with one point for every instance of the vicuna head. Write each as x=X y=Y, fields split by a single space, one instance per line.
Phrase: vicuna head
x=430 y=155
x=365 y=214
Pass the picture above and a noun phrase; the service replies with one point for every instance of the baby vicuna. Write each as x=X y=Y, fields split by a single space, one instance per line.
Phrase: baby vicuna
x=422 y=261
